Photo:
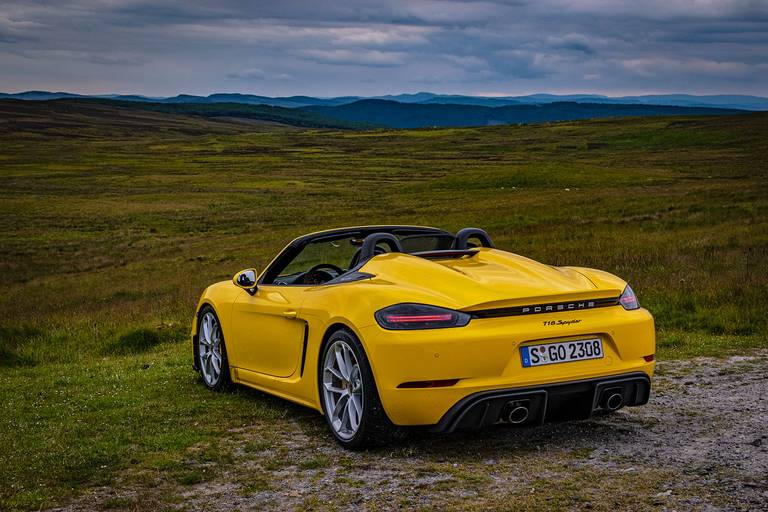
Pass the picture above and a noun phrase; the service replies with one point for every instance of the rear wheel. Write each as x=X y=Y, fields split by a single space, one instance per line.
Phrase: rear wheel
x=348 y=394
x=211 y=351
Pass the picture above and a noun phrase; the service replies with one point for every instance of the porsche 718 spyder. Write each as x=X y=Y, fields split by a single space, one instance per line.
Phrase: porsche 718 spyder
x=380 y=327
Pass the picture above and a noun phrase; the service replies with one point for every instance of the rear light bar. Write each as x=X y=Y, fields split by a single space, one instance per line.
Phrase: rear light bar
x=396 y=319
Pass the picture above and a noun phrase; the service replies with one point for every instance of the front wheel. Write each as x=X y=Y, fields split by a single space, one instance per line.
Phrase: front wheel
x=211 y=352
x=348 y=394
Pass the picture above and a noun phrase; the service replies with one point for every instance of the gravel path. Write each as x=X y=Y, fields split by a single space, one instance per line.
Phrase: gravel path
x=700 y=444
x=708 y=420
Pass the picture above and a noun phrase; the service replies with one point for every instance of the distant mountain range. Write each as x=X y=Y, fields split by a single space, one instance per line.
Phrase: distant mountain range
x=394 y=114
x=402 y=111
x=741 y=102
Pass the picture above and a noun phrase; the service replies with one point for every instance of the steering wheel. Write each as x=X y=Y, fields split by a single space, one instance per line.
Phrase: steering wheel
x=331 y=266
x=316 y=275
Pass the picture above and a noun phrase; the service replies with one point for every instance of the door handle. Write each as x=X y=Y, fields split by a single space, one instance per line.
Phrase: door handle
x=290 y=314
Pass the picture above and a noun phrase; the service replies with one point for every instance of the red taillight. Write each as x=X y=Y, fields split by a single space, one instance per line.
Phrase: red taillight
x=628 y=299
x=429 y=383
x=399 y=319
x=649 y=358
x=420 y=316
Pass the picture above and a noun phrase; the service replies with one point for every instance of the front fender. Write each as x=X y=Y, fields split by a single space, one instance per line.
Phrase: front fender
x=220 y=296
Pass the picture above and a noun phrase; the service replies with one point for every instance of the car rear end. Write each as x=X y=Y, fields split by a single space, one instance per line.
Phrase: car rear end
x=563 y=358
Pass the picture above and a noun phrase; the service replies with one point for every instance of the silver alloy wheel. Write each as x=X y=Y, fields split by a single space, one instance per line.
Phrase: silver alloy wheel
x=209 y=348
x=342 y=389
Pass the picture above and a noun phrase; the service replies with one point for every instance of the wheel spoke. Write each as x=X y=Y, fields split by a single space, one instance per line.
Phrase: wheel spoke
x=347 y=360
x=351 y=411
x=333 y=389
x=336 y=373
x=342 y=363
x=207 y=327
x=215 y=333
x=345 y=419
x=207 y=366
x=338 y=408
x=356 y=401
x=216 y=361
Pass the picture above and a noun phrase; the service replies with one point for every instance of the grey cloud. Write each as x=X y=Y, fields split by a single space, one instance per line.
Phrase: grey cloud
x=257 y=74
x=573 y=42
x=16 y=31
x=351 y=57
x=115 y=60
x=248 y=74
x=380 y=46
x=652 y=67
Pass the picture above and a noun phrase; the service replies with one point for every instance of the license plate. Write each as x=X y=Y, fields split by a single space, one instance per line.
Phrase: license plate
x=561 y=352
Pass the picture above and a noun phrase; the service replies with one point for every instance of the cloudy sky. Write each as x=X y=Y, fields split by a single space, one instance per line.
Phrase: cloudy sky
x=370 y=47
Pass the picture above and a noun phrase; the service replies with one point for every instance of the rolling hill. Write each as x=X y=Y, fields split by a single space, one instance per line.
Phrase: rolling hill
x=68 y=118
x=268 y=113
x=83 y=115
x=394 y=114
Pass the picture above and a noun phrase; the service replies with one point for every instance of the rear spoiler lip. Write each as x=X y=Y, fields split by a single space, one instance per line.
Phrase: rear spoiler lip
x=444 y=254
x=539 y=305
x=552 y=307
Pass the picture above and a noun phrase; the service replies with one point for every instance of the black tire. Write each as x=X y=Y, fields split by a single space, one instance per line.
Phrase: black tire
x=375 y=428
x=224 y=380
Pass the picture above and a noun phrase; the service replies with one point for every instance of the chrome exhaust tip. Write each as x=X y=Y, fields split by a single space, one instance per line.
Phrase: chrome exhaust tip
x=518 y=415
x=614 y=401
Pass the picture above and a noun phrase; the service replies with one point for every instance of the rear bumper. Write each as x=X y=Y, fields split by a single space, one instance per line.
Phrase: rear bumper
x=485 y=357
x=553 y=402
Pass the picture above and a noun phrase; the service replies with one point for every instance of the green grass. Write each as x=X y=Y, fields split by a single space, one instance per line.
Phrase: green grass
x=112 y=224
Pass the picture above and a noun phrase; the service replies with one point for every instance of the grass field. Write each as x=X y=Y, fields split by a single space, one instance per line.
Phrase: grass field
x=113 y=222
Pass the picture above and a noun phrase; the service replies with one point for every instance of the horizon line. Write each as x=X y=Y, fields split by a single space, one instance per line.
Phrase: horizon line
x=491 y=95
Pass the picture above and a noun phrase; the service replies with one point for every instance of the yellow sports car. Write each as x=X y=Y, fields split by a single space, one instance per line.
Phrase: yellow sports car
x=379 y=327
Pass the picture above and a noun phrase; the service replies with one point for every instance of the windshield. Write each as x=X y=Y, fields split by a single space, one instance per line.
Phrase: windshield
x=336 y=252
x=323 y=260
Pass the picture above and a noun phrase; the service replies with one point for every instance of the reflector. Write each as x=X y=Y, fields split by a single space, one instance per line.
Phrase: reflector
x=429 y=383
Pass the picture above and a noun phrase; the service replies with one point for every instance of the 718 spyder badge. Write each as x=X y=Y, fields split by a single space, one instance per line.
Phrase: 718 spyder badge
x=562 y=322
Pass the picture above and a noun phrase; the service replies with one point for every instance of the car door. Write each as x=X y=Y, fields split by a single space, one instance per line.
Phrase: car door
x=269 y=336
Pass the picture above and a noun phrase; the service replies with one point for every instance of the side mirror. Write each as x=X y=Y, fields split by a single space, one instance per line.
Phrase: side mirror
x=246 y=279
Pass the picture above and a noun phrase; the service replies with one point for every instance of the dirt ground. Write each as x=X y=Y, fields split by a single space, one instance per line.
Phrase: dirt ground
x=700 y=444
